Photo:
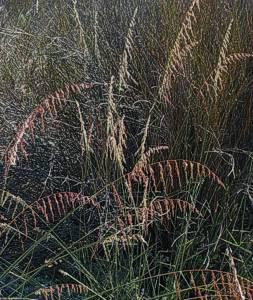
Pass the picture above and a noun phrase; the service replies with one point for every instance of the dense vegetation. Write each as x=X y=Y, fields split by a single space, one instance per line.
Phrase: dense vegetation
x=126 y=143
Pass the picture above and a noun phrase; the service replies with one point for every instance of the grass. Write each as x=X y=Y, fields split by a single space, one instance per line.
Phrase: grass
x=126 y=143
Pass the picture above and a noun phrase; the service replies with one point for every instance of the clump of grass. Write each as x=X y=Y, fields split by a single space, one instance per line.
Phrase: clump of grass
x=139 y=190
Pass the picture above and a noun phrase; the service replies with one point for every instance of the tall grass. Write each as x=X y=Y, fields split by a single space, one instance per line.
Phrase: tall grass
x=131 y=178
